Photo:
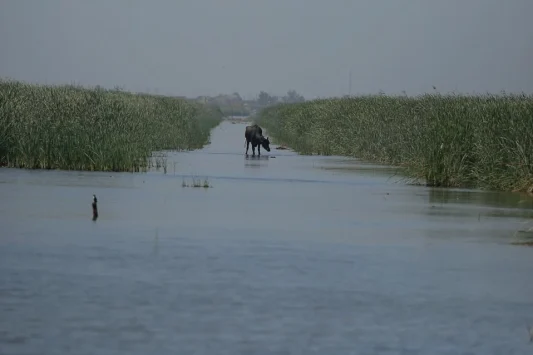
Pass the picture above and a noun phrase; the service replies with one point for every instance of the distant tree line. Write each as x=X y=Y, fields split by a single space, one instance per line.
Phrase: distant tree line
x=264 y=99
x=235 y=105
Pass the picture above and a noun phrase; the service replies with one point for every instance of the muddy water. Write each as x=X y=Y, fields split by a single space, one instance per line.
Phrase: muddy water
x=284 y=254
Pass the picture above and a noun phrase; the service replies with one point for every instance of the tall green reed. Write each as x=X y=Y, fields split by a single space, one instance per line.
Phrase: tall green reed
x=75 y=128
x=447 y=140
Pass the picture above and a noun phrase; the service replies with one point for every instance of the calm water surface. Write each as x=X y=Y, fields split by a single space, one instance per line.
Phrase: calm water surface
x=285 y=254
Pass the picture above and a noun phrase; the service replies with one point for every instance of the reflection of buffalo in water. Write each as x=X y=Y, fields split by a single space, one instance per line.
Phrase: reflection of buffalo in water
x=254 y=135
x=256 y=161
x=256 y=157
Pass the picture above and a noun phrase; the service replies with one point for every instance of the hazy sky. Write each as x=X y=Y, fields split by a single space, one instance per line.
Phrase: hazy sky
x=195 y=47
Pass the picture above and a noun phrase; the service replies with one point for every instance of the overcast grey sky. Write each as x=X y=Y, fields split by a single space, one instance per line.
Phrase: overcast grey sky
x=195 y=47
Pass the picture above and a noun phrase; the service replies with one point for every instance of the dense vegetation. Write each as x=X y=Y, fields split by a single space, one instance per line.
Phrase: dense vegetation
x=447 y=140
x=68 y=127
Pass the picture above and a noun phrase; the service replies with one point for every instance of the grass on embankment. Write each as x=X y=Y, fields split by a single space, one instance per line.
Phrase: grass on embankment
x=450 y=141
x=74 y=128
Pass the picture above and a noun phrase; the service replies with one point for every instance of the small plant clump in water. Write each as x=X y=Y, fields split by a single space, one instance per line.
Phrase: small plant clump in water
x=75 y=128
x=481 y=141
x=197 y=183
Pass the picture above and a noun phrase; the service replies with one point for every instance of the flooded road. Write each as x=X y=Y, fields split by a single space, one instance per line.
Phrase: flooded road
x=283 y=254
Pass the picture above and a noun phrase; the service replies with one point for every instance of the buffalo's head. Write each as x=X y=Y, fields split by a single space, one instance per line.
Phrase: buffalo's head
x=265 y=142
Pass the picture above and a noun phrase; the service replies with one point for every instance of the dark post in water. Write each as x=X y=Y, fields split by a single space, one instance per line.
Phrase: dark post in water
x=95 y=209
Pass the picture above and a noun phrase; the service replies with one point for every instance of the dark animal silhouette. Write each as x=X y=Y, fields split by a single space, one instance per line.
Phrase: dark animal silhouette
x=95 y=208
x=254 y=135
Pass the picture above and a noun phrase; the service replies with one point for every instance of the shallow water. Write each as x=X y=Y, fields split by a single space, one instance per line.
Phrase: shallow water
x=284 y=254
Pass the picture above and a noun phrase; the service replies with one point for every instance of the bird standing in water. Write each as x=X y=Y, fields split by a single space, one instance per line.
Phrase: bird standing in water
x=95 y=209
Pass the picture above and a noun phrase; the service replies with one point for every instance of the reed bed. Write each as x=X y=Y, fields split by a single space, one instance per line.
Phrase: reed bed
x=481 y=141
x=75 y=128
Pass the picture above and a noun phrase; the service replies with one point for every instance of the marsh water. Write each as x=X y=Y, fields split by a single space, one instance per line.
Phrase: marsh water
x=283 y=254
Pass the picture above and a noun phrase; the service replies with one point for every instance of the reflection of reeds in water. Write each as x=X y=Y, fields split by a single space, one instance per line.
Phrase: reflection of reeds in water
x=156 y=242
x=158 y=161
x=530 y=332
x=196 y=182
x=524 y=236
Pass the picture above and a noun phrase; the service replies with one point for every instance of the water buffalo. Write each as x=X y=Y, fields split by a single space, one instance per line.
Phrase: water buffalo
x=254 y=135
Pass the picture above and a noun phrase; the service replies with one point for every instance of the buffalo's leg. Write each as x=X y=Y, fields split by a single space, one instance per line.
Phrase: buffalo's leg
x=247 y=146
x=259 y=149
x=253 y=149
